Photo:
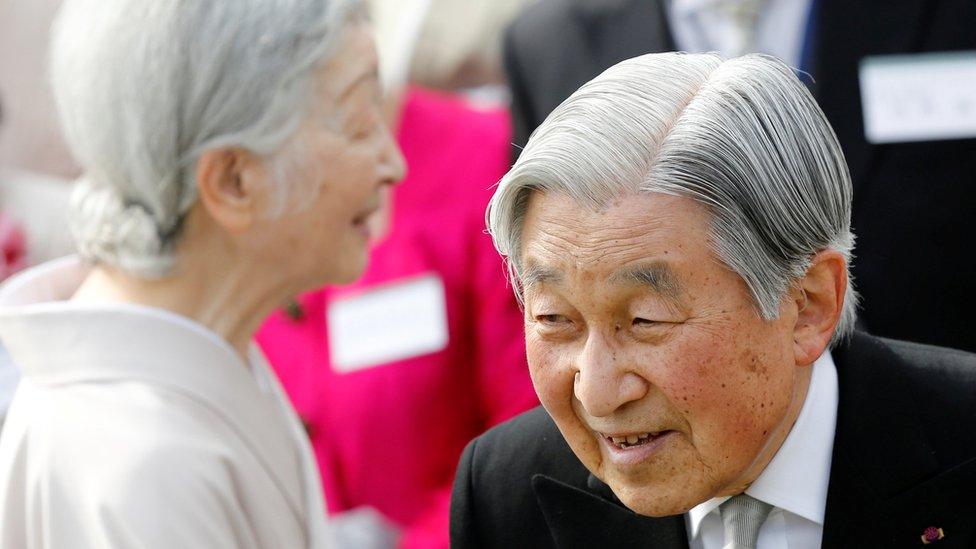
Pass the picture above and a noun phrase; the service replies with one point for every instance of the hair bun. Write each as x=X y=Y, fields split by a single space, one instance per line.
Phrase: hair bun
x=109 y=230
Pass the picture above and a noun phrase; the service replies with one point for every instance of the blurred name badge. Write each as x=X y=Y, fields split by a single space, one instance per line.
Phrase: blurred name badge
x=392 y=322
x=919 y=97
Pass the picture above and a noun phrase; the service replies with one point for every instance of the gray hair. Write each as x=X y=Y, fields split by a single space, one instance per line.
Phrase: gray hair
x=143 y=88
x=743 y=137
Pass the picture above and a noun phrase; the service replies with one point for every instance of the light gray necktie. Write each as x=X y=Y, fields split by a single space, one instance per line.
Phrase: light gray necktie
x=742 y=516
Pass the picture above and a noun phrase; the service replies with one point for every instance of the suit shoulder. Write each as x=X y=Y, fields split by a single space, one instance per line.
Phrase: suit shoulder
x=938 y=383
x=528 y=423
x=951 y=369
x=494 y=503
x=929 y=352
x=510 y=454
x=528 y=442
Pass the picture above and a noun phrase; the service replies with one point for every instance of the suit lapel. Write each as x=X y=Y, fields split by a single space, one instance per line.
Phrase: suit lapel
x=858 y=515
x=884 y=489
x=847 y=32
x=582 y=518
x=855 y=514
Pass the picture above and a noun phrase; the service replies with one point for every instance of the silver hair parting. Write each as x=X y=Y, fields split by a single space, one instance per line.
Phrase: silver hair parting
x=743 y=137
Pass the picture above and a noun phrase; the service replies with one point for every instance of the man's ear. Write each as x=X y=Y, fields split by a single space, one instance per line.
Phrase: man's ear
x=819 y=298
x=230 y=185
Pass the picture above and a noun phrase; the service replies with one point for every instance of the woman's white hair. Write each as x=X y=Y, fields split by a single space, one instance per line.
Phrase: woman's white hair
x=143 y=88
x=743 y=137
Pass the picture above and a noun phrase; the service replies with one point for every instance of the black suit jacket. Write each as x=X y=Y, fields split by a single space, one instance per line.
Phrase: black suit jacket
x=914 y=259
x=904 y=460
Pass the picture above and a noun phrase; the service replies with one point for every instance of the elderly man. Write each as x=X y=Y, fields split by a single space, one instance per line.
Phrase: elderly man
x=679 y=231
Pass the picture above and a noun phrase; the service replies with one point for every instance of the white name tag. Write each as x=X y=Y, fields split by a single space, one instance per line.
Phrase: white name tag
x=392 y=322
x=919 y=97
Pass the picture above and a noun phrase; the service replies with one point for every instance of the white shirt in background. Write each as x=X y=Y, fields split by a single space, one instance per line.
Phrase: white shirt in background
x=700 y=26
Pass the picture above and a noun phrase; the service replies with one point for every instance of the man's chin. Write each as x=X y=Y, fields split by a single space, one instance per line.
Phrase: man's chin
x=652 y=501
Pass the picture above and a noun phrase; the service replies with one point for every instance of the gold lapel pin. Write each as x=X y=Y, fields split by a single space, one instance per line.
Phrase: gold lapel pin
x=932 y=534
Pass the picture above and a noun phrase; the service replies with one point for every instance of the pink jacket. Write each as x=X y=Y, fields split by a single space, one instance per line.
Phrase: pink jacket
x=389 y=436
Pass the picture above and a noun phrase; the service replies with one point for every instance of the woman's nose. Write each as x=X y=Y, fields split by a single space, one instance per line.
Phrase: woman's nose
x=392 y=163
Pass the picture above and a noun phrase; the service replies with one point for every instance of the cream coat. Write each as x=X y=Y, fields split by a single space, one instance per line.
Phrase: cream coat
x=137 y=428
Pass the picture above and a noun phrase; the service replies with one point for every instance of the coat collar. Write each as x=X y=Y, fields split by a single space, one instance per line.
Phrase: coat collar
x=885 y=483
x=58 y=342
x=589 y=517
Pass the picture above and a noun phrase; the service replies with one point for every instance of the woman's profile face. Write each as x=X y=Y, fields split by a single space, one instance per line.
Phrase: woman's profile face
x=343 y=158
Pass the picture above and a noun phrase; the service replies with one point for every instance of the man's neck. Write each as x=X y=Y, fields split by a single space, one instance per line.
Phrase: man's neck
x=777 y=435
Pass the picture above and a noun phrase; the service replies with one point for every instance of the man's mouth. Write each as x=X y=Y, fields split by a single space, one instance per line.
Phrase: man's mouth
x=630 y=440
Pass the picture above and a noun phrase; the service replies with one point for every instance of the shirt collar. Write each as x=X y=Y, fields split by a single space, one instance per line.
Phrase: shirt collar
x=796 y=479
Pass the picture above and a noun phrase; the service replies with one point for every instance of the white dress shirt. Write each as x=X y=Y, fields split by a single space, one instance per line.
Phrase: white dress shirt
x=134 y=427
x=795 y=480
x=702 y=25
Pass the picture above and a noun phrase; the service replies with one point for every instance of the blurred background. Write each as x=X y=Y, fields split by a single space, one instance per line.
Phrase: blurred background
x=466 y=82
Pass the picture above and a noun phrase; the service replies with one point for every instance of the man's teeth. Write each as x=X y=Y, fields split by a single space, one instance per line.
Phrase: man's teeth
x=631 y=440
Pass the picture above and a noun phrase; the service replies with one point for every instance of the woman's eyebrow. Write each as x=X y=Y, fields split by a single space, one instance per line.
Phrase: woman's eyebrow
x=371 y=73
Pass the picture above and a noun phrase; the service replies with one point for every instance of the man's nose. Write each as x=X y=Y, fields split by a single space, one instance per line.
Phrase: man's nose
x=603 y=381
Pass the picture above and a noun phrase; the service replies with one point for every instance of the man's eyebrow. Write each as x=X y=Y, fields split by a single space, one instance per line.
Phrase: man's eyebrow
x=536 y=274
x=657 y=276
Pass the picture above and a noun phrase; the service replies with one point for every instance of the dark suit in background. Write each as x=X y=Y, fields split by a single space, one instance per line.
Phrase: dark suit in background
x=904 y=460
x=913 y=202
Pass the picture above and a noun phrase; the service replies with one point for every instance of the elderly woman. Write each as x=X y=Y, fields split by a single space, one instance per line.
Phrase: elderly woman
x=428 y=343
x=233 y=153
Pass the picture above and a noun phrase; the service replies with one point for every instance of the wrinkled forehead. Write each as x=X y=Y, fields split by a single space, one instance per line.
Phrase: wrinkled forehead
x=637 y=237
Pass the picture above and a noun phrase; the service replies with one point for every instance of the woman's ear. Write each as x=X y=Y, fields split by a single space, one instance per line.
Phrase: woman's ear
x=232 y=187
x=819 y=298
